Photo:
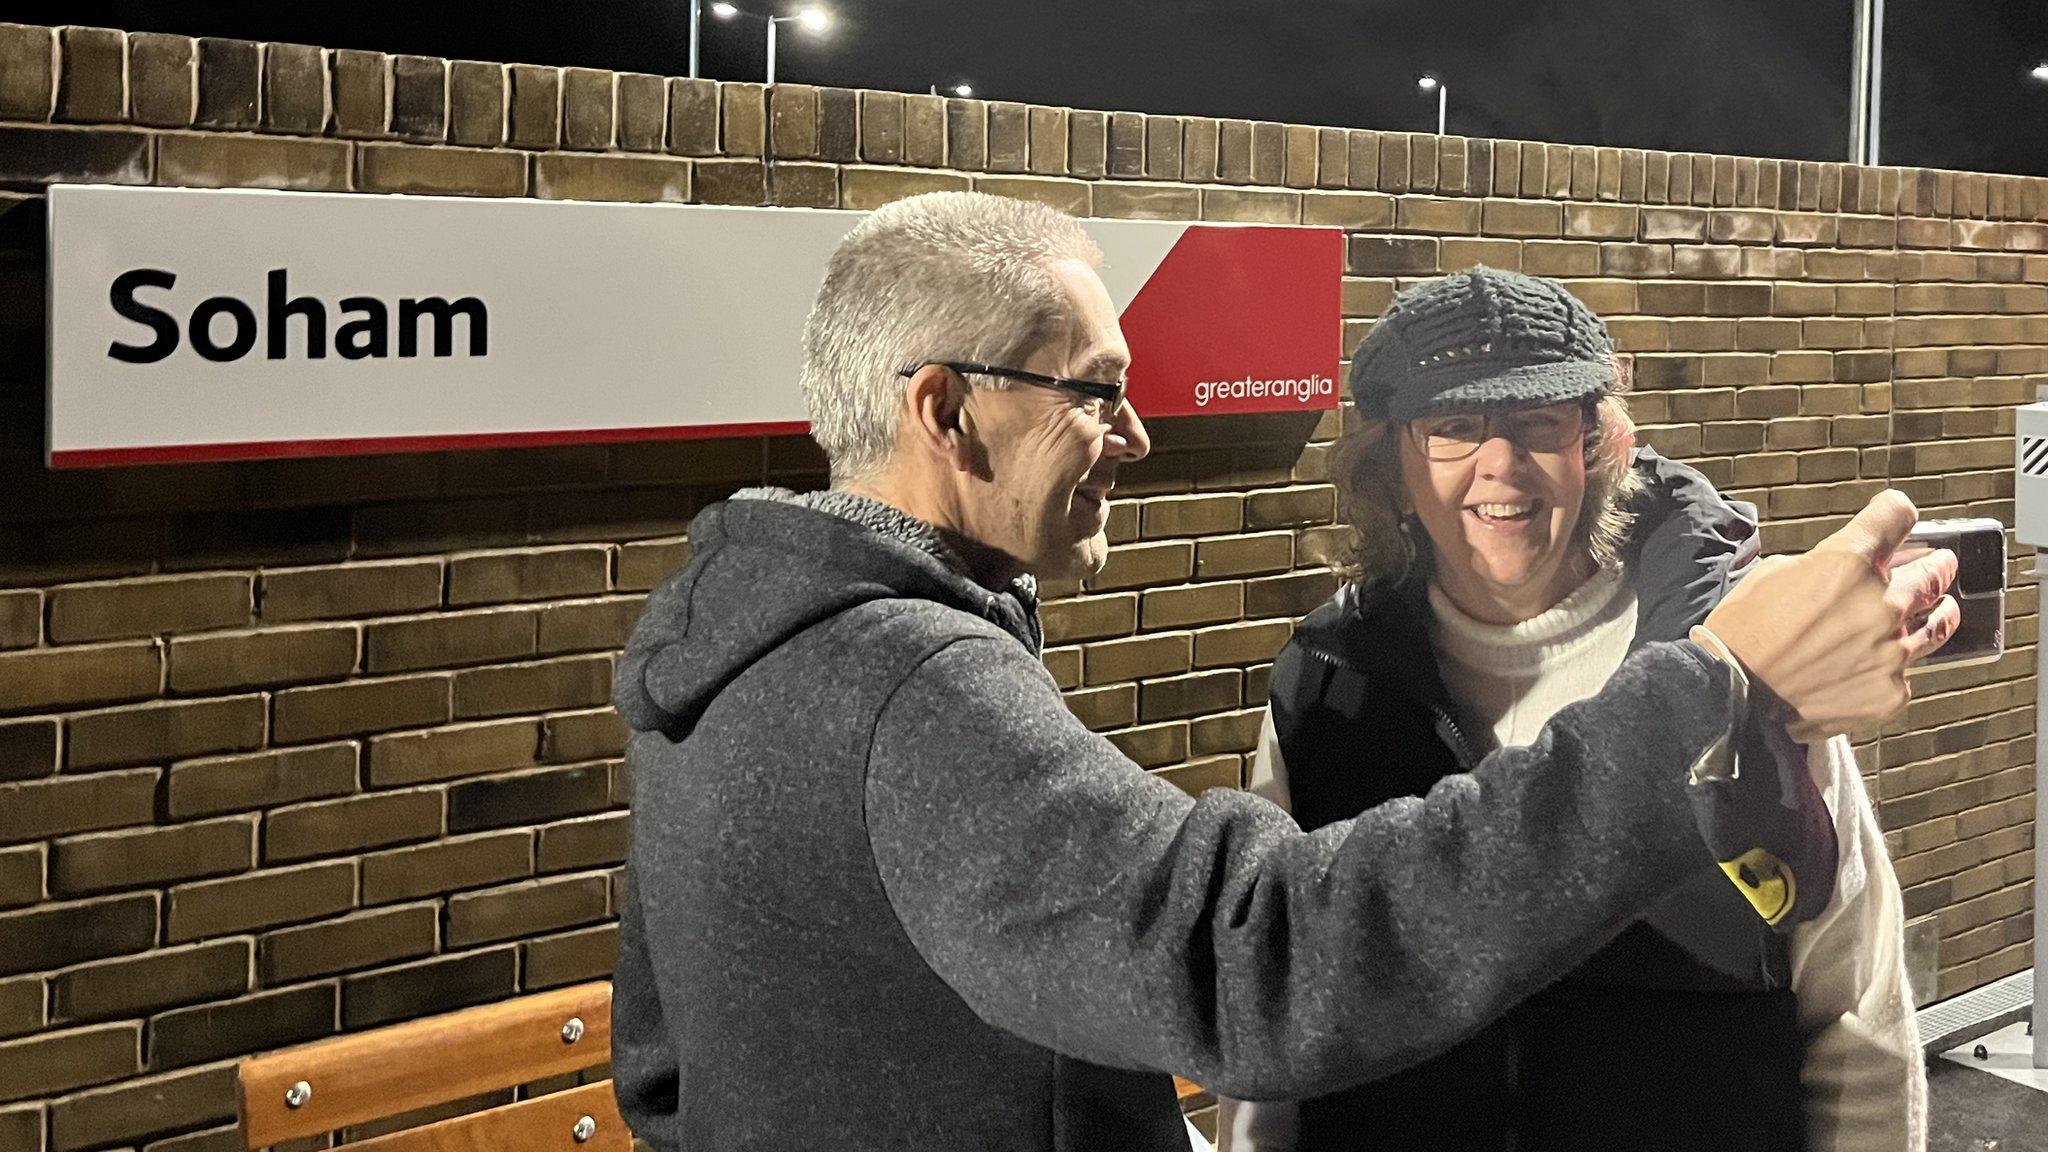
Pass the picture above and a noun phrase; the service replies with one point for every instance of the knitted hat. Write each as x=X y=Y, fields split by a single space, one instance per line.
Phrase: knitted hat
x=1481 y=340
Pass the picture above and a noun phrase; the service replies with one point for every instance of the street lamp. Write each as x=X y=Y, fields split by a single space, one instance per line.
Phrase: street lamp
x=964 y=90
x=1430 y=83
x=2040 y=72
x=815 y=19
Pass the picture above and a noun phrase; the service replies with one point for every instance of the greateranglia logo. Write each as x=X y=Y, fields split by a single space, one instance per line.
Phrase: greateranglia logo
x=1302 y=390
x=224 y=328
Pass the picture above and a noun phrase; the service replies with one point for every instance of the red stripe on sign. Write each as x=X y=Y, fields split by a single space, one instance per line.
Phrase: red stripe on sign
x=1239 y=320
x=375 y=445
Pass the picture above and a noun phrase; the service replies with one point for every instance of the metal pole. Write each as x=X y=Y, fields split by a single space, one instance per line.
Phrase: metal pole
x=696 y=21
x=2040 y=1034
x=1443 y=99
x=771 y=50
x=1876 y=78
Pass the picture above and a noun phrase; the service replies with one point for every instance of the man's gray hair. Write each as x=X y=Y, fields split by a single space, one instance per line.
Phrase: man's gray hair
x=942 y=276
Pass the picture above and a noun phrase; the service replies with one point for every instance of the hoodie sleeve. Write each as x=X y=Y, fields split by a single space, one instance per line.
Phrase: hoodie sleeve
x=1095 y=910
x=645 y=1077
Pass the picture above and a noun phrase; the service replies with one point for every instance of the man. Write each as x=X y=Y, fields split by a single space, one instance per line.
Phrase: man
x=886 y=892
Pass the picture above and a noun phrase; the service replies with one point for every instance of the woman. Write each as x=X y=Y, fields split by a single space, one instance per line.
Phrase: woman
x=1511 y=547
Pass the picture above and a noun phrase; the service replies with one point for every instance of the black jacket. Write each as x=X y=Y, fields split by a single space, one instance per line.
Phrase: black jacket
x=1681 y=1032
x=886 y=892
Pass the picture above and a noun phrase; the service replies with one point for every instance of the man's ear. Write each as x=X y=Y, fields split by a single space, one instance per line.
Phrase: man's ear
x=934 y=401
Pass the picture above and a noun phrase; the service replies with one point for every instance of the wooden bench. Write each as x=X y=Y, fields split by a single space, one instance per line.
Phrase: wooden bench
x=333 y=1084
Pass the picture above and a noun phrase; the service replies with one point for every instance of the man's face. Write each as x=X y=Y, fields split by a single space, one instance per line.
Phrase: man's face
x=1501 y=521
x=1051 y=456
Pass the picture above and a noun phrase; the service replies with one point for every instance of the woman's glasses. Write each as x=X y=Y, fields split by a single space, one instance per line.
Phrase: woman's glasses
x=1552 y=428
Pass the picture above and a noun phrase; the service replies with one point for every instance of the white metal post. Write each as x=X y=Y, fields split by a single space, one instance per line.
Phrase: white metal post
x=696 y=30
x=1443 y=98
x=771 y=50
x=1866 y=82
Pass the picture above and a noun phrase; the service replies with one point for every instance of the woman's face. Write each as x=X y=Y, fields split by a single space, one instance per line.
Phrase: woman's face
x=1502 y=520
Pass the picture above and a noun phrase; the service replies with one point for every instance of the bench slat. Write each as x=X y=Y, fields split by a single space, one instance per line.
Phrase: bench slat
x=397 y=1069
x=544 y=1124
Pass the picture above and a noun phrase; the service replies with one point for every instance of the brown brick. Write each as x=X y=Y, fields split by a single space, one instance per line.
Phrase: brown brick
x=294 y=89
x=1352 y=210
x=332 y=827
x=1521 y=218
x=361 y=95
x=92 y=85
x=364 y=589
x=264 y=1021
x=1193 y=515
x=570 y=958
x=167 y=730
x=428 y=987
x=1163 y=137
x=588 y=625
x=692 y=117
x=1234 y=152
x=537 y=687
x=1289 y=507
x=28 y=749
x=1048 y=128
x=1229 y=732
x=477 y=103
x=449 y=640
x=415 y=170
x=322 y=713
x=1192 y=695
x=588 y=842
x=208 y=160
x=148 y=607
x=259 y=900
x=1269 y=152
x=52 y=936
x=1600 y=221
x=1299 y=169
x=1090 y=618
x=1200 y=604
x=139 y=1109
x=865 y=188
x=262 y=659
x=21 y=619
x=966 y=134
x=73 y=155
x=1244 y=555
x=528 y=797
x=260 y=780
x=1147 y=202
x=230 y=78
x=40 y=809
x=446 y=866
x=1232 y=644
x=640 y=179
x=1100 y=709
x=21 y=1013
x=1069 y=196
x=1127 y=145
x=350 y=943
x=452 y=752
x=1390 y=255
x=27 y=71
x=1139 y=565
x=1198 y=776
x=1153 y=744
x=1136 y=658
x=151 y=857
x=163 y=79
x=1428 y=214
x=22 y=875
x=525 y=909
x=542 y=574
x=1251 y=206
x=61 y=1061
x=419 y=98
x=138 y=985
x=1293 y=595
x=570 y=737
x=588 y=96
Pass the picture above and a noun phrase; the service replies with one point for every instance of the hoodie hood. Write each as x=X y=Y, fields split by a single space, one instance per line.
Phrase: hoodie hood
x=768 y=564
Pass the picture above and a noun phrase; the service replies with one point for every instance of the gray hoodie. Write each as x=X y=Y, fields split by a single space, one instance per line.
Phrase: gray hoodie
x=886 y=892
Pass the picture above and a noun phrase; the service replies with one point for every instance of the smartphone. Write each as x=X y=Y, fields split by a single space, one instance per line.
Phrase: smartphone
x=1979 y=588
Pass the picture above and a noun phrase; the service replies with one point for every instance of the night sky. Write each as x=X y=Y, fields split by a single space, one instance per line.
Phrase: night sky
x=1754 y=77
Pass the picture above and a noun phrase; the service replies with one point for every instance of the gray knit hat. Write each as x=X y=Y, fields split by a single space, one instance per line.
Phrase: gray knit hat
x=1481 y=340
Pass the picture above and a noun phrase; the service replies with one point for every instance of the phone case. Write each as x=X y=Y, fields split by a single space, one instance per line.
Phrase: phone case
x=1979 y=588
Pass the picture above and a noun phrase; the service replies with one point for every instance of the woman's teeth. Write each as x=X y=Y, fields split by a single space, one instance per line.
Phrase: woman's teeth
x=1503 y=511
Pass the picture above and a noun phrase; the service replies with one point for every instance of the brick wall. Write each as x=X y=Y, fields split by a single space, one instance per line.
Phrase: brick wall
x=299 y=747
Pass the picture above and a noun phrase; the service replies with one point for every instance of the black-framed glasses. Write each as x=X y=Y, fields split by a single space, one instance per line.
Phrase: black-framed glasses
x=1551 y=428
x=1109 y=397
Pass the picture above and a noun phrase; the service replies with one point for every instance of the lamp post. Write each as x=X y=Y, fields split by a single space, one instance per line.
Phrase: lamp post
x=2040 y=72
x=1866 y=82
x=1443 y=96
x=961 y=90
x=696 y=33
x=814 y=19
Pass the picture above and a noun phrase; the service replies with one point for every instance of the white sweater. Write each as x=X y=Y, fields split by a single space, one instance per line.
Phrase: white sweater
x=1862 y=1074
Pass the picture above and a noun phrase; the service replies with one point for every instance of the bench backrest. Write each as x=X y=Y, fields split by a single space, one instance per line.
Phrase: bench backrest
x=332 y=1084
